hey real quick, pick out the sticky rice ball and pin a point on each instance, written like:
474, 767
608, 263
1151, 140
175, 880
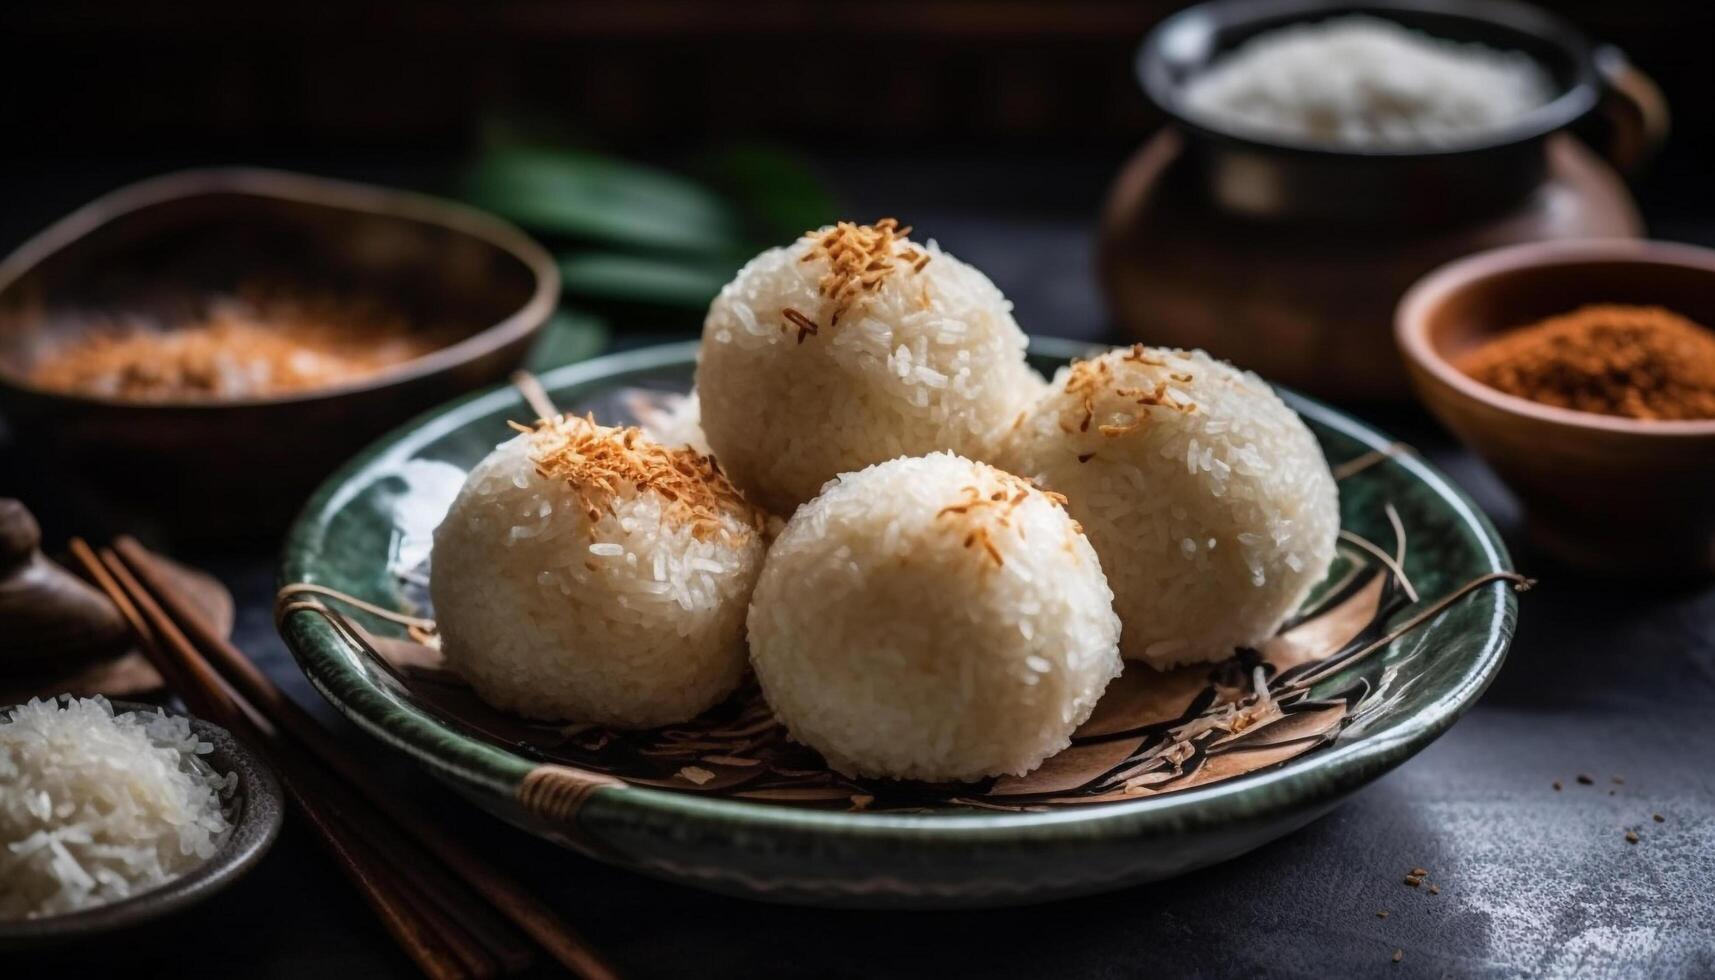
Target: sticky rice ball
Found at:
933, 618
677, 422
588, 573
1207, 498
851, 346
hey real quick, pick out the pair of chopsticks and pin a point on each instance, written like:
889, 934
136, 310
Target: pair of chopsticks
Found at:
453, 914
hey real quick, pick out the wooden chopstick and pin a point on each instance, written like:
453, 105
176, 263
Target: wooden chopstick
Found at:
502, 944
414, 932
532, 917
207, 696
459, 921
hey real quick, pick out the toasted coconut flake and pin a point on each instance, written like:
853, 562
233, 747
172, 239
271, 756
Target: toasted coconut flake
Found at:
597, 461
1089, 378
806, 326
984, 510
860, 258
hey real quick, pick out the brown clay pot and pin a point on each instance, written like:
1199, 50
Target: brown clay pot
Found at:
1288, 259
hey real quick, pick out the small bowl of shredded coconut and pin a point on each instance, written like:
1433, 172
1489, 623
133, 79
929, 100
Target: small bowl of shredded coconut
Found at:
113, 813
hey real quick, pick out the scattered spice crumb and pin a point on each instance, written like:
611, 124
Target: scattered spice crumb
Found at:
1557, 785
1585, 780
861, 801
1382, 914
1631, 837
1611, 792
1658, 818
1419, 872
1619, 781
696, 774
1413, 880
1434, 889
1398, 954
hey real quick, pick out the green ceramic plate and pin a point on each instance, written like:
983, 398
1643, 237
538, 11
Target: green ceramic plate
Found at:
366, 533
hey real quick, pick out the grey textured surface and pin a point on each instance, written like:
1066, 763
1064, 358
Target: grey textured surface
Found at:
1607, 678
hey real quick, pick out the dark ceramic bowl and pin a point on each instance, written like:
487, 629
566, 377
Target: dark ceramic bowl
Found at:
367, 531
167, 244
1604, 493
257, 808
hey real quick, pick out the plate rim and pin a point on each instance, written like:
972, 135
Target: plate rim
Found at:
1302, 782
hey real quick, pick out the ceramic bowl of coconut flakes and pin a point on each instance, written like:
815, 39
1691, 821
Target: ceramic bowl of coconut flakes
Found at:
114, 825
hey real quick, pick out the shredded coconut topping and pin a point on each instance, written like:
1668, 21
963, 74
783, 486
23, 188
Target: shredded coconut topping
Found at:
982, 511
1088, 378
599, 461
860, 258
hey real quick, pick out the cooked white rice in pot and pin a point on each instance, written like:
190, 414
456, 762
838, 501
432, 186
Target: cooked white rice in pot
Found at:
933, 618
1207, 498
1360, 81
851, 346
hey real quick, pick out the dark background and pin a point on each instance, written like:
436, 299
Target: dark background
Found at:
895, 75
994, 126
96, 93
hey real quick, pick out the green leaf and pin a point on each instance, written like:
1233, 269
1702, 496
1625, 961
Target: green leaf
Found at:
680, 281
573, 193
531, 129
777, 190
569, 336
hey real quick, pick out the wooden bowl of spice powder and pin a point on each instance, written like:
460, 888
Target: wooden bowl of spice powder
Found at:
195, 351
1584, 374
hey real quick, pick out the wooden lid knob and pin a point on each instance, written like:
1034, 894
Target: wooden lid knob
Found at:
20, 535
46, 613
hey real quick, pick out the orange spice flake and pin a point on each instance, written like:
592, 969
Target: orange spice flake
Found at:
596, 461
860, 258
1640, 362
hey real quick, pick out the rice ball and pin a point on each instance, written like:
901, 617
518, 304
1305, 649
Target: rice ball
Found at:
678, 421
1207, 498
852, 346
933, 618
588, 573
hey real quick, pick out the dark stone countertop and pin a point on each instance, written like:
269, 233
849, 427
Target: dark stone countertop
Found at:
1615, 679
